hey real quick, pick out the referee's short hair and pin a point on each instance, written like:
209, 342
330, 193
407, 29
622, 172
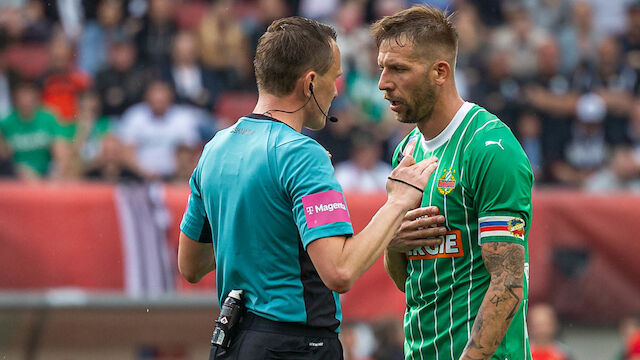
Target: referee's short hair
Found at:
290, 47
430, 30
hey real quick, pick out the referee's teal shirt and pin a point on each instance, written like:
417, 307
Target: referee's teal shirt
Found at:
262, 192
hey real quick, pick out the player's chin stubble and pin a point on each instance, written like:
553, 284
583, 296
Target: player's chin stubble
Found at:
420, 107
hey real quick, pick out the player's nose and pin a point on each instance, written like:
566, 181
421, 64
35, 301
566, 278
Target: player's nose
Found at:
385, 83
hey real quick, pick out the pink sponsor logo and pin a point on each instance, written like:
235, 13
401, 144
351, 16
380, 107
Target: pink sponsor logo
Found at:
325, 208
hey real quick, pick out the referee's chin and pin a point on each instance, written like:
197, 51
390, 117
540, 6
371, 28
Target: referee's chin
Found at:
316, 123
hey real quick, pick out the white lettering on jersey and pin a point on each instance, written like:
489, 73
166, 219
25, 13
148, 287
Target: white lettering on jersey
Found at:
450, 247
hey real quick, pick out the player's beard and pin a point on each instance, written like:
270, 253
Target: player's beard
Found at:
421, 104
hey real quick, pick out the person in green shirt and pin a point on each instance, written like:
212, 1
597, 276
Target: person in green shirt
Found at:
32, 134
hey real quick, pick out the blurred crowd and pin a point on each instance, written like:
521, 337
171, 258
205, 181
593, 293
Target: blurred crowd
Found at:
130, 90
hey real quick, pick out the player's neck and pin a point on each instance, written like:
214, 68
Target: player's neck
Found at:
444, 110
267, 103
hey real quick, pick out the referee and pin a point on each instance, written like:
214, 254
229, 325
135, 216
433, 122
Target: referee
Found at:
266, 210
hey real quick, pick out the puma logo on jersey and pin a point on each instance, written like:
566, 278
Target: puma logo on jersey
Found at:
450, 247
491, 142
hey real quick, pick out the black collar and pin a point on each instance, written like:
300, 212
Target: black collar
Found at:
265, 117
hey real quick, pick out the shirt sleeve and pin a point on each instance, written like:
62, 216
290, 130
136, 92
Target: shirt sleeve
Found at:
318, 205
195, 223
501, 181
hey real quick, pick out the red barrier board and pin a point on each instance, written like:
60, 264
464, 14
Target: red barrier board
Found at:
583, 248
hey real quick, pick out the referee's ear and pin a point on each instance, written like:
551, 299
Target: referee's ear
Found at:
308, 79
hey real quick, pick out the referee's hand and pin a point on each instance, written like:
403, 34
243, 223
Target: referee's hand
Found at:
407, 181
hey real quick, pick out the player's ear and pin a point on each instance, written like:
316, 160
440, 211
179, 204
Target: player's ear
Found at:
442, 71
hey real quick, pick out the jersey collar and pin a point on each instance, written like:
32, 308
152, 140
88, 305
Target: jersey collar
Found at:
447, 133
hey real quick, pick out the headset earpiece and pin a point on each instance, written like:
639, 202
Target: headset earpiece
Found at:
311, 87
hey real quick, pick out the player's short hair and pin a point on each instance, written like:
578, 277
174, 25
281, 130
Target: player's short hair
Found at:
290, 47
425, 26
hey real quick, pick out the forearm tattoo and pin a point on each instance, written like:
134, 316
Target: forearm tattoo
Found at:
505, 263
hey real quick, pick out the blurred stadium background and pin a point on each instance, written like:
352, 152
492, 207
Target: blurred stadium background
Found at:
122, 95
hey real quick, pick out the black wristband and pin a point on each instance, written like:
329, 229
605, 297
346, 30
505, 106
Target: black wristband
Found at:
406, 183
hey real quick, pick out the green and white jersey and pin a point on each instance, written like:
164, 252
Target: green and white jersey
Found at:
482, 186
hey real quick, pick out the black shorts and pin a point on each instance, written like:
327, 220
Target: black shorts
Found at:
260, 339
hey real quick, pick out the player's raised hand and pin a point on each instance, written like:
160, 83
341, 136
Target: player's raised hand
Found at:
420, 227
407, 181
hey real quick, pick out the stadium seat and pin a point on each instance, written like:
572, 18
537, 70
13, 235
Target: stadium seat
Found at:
28, 60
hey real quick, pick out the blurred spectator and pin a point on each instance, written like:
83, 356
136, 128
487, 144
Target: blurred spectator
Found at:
551, 15
579, 41
87, 133
266, 12
610, 15
350, 341
387, 7
364, 171
63, 82
633, 347
37, 27
223, 46
111, 164
389, 335
362, 87
629, 328
318, 10
11, 24
7, 78
586, 150
622, 173
158, 28
26, 24
519, 39
336, 137
122, 83
497, 90
353, 36
615, 82
543, 334
153, 130
529, 133
32, 134
633, 131
471, 46
97, 35
192, 83
630, 38
551, 96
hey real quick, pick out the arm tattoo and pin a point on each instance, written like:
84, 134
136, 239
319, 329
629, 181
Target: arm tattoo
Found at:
505, 262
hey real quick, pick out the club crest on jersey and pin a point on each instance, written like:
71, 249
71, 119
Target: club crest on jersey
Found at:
516, 227
447, 182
